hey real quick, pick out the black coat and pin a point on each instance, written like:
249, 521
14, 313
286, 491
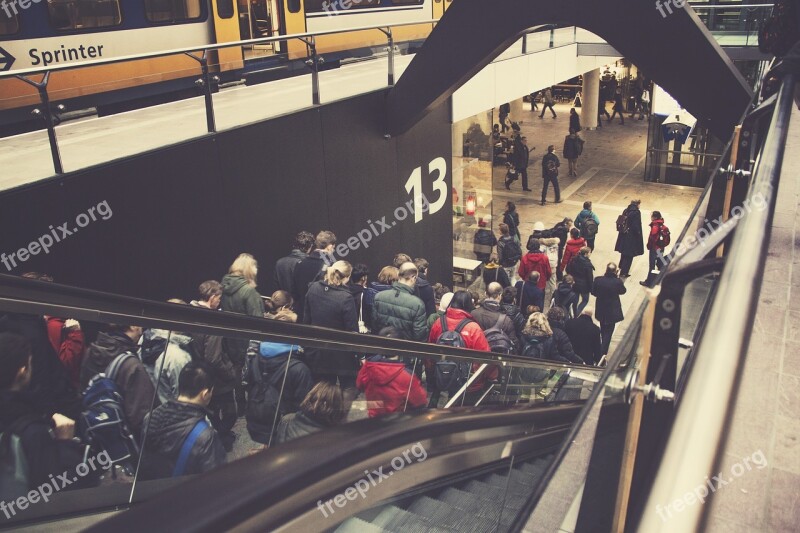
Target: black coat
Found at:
522, 155
306, 272
424, 291
585, 337
513, 312
575, 122
582, 270
608, 289
632, 242
329, 306
512, 220
563, 343
560, 231
495, 274
284, 270
170, 425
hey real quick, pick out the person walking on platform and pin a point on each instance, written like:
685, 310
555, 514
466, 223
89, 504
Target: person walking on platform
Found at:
619, 107
574, 120
511, 218
573, 147
550, 164
629, 241
656, 243
589, 224
534, 107
504, 110
548, 103
522, 156
582, 271
608, 288
484, 241
509, 252
602, 98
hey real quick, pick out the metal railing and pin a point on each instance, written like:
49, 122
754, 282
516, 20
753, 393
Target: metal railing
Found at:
707, 400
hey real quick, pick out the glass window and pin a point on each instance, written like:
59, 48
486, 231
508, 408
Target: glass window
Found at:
172, 10
9, 23
294, 6
333, 6
225, 8
83, 14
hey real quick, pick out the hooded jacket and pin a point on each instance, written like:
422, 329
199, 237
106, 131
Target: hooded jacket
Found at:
494, 272
486, 316
284, 270
170, 363
133, 381
212, 350
583, 215
565, 297
68, 345
400, 309
652, 239
582, 270
170, 425
386, 384
238, 296
535, 261
474, 339
632, 242
571, 249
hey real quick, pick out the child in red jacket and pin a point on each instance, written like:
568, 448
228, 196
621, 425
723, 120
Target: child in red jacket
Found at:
389, 386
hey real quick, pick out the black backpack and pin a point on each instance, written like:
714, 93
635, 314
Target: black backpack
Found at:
551, 169
499, 341
102, 424
622, 222
510, 252
536, 349
589, 227
450, 375
263, 397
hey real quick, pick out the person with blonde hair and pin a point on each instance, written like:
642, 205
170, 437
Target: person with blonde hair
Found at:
239, 295
537, 338
329, 304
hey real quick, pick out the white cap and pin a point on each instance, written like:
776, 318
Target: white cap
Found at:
444, 303
539, 226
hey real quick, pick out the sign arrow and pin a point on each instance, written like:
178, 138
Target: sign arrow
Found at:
6, 60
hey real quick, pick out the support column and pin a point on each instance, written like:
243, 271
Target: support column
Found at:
518, 113
591, 94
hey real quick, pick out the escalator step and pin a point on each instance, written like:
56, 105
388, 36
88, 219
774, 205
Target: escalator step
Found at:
450, 518
356, 525
476, 504
395, 519
496, 480
483, 490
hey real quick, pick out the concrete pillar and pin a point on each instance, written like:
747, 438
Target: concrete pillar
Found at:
517, 112
591, 93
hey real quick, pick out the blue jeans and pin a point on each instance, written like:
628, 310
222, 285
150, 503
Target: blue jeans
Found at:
583, 303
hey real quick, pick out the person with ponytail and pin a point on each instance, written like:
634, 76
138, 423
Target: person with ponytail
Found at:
329, 304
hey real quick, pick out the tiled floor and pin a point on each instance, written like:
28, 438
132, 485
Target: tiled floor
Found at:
610, 174
766, 420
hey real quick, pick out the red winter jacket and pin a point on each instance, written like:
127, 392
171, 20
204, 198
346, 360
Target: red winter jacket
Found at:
386, 384
538, 262
474, 339
652, 239
69, 347
571, 250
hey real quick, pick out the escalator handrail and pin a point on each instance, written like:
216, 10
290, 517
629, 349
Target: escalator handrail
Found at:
28, 296
266, 481
709, 396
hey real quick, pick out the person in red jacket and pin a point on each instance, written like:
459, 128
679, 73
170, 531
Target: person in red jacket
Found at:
657, 241
460, 308
535, 260
388, 385
573, 246
65, 336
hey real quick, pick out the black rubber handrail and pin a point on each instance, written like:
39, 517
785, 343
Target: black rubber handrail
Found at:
267, 481
23, 295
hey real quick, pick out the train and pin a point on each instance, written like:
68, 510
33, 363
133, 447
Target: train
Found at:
40, 34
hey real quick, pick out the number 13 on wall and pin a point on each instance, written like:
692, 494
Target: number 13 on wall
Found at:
436, 169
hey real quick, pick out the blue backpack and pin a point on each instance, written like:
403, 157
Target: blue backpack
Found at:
102, 423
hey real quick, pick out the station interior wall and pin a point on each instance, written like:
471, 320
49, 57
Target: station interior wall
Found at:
181, 214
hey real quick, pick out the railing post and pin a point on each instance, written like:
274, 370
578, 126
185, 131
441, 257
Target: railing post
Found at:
388, 33
313, 63
47, 115
205, 82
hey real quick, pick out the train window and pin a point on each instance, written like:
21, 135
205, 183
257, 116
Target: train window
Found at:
333, 6
225, 9
9, 25
293, 5
83, 14
172, 10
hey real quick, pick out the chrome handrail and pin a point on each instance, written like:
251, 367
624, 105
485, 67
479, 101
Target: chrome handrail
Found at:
697, 438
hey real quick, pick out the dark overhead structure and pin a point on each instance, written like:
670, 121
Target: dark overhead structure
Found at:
676, 50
